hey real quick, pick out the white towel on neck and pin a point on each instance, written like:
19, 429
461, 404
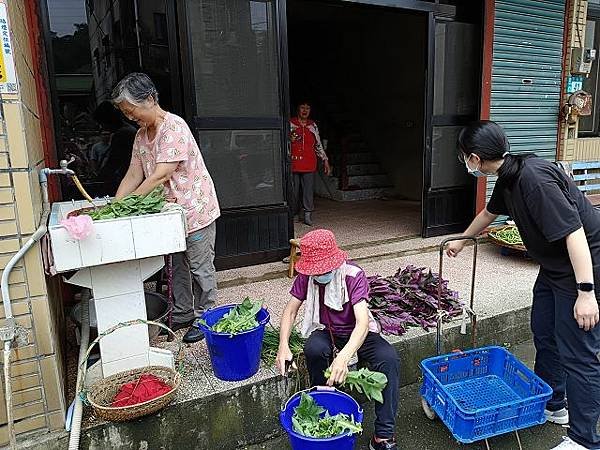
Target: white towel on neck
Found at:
336, 296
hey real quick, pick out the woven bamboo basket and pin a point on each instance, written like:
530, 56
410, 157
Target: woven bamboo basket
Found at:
102, 393
491, 237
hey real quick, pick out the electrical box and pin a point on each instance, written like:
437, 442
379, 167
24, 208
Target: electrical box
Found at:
581, 60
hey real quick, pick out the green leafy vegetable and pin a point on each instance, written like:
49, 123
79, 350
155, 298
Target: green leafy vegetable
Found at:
312, 420
131, 205
508, 235
366, 382
239, 319
271, 344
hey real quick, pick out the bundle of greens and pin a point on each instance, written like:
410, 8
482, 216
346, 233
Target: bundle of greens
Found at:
411, 298
508, 235
239, 319
131, 205
271, 344
365, 382
312, 420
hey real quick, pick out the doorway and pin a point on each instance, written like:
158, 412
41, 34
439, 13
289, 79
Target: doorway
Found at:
387, 121
363, 69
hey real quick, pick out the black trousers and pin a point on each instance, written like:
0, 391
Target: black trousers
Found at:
379, 355
567, 359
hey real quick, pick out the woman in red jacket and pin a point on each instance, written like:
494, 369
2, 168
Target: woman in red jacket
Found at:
306, 147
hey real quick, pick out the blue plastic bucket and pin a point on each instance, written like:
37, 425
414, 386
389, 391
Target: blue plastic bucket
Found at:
234, 357
333, 401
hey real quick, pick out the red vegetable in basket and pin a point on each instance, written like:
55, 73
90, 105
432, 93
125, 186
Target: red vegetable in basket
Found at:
410, 298
145, 388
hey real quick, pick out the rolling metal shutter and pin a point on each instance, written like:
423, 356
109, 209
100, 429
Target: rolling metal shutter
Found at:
526, 74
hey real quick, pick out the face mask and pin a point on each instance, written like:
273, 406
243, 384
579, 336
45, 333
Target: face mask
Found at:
325, 278
474, 172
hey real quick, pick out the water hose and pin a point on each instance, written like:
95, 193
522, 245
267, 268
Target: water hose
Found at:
83, 346
80, 188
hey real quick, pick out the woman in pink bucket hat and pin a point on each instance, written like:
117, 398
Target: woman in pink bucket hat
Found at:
337, 324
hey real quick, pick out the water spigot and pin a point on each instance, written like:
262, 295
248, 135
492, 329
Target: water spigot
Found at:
64, 166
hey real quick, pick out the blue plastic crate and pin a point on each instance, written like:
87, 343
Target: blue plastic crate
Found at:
483, 392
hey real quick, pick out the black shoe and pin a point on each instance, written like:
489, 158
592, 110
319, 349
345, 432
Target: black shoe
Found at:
383, 445
193, 335
177, 326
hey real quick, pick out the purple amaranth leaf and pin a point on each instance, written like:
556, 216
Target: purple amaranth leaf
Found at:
410, 298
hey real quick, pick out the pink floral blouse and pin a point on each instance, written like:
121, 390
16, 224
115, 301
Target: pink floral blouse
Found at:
190, 185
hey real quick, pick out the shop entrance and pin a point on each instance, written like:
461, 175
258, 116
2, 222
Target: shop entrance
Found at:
368, 101
387, 120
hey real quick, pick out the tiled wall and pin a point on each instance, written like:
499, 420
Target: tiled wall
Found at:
37, 369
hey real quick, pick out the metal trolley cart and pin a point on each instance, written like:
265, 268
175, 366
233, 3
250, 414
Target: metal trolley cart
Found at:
483, 392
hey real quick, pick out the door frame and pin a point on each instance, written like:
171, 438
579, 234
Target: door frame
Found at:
430, 122
433, 10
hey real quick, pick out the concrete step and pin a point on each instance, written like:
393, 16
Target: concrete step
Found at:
361, 158
369, 181
327, 187
358, 147
364, 169
363, 194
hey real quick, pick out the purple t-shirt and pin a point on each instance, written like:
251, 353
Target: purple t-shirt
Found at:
342, 322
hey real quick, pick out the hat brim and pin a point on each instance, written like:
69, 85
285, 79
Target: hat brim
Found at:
305, 266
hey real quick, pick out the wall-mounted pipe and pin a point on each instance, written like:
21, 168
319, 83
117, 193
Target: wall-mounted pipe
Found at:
8, 332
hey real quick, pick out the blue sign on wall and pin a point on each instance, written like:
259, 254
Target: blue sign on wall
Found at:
574, 83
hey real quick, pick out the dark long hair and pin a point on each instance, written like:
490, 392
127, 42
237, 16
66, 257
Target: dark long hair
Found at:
488, 140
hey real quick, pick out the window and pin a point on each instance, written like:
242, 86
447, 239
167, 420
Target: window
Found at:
245, 166
234, 46
236, 84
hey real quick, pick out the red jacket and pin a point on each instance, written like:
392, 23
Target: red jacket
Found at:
306, 146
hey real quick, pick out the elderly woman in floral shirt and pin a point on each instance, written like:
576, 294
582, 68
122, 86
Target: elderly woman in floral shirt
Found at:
166, 153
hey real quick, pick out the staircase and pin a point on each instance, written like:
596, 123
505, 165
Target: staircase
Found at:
357, 173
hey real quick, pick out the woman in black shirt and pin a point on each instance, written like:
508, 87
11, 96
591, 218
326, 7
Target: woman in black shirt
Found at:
561, 231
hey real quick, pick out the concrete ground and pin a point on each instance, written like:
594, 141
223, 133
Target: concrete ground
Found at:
416, 432
375, 219
502, 282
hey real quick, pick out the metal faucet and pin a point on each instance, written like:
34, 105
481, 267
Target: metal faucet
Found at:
43, 175
64, 170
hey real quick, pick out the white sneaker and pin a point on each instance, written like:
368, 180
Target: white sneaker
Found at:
560, 417
568, 444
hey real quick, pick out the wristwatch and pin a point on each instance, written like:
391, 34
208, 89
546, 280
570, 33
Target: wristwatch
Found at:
585, 287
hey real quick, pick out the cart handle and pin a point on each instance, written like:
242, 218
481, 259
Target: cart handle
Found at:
472, 294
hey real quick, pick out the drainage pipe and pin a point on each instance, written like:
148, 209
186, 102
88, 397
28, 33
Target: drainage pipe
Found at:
8, 332
84, 342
